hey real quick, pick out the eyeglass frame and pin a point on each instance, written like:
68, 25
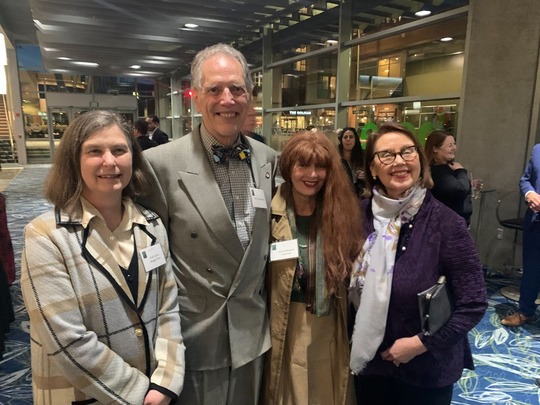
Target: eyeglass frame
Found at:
395, 154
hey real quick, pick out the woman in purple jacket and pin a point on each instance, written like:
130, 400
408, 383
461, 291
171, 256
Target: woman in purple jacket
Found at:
411, 239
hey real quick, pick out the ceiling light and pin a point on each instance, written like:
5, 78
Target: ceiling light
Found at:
190, 25
156, 62
135, 66
331, 42
64, 58
422, 13
447, 39
89, 64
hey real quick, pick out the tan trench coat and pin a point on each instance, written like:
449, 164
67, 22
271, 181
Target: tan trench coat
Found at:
279, 284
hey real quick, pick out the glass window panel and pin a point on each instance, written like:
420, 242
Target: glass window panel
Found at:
286, 123
410, 64
419, 117
310, 81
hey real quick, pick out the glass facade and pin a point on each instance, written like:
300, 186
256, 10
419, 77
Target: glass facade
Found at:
355, 70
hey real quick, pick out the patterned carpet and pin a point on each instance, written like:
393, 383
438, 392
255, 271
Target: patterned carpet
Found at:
24, 201
507, 359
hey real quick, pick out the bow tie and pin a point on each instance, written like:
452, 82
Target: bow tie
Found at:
223, 154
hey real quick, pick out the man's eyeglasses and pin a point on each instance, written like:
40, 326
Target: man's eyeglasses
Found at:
387, 157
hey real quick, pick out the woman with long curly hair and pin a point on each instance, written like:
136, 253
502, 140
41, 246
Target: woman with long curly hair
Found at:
317, 210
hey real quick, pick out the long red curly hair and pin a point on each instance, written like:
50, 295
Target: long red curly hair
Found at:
340, 218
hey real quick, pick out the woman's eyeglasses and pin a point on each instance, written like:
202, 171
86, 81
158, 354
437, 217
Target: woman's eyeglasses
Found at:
387, 157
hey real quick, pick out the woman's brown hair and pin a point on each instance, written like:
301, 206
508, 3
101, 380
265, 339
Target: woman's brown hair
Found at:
435, 140
64, 183
339, 209
425, 172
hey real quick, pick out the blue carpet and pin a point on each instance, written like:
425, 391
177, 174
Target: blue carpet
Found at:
24, 201
507, 359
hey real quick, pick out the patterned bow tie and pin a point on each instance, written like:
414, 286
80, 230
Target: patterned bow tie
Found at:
222, 154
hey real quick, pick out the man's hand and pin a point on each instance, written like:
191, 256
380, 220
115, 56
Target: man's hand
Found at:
156, 398
533, 200
404, 350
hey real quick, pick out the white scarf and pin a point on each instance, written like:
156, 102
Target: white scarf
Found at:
371, 280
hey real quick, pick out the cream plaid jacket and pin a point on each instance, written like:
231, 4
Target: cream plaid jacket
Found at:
90, 342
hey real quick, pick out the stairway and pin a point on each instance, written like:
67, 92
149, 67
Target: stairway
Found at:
7, 146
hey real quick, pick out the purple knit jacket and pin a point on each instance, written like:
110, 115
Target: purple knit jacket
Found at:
437, 243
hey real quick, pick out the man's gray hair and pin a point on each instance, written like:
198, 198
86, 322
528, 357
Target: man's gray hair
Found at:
217, 49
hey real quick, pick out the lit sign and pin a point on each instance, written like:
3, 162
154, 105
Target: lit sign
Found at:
300, 112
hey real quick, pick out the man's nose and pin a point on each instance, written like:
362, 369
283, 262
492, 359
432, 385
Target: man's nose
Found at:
227, 96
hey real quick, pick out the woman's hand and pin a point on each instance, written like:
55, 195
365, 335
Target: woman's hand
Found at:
456, 165
404, 350
155, 397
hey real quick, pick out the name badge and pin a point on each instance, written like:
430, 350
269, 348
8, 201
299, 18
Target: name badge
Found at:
152, 257
287, 249
257, 198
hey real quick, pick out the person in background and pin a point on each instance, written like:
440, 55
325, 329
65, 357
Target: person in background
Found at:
250, 124
214, 186
530, 280
411, 240
97, 279
352, 157
7, 258
309, 359
140, 130
7, 275
154, 132
452, 185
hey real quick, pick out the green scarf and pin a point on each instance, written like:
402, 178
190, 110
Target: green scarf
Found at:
317, 299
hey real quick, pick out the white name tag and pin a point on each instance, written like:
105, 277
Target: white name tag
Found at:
287, 249
257, 198
152, 257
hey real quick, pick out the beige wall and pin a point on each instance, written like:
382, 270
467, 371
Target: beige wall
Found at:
434, 76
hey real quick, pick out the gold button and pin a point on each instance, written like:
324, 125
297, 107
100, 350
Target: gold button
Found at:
138, 332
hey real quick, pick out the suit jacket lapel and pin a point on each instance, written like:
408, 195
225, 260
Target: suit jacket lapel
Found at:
143, 239
201, 185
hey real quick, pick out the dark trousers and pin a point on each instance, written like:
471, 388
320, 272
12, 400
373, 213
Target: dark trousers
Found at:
530, 281
375, 390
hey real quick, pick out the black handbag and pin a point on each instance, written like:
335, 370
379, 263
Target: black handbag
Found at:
435, 305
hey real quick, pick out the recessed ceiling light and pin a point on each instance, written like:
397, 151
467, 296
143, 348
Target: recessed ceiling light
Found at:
422, 13
447, 39
64, 58
191, 25
135, 66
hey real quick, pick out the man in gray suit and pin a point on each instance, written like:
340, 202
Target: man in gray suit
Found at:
213, 188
